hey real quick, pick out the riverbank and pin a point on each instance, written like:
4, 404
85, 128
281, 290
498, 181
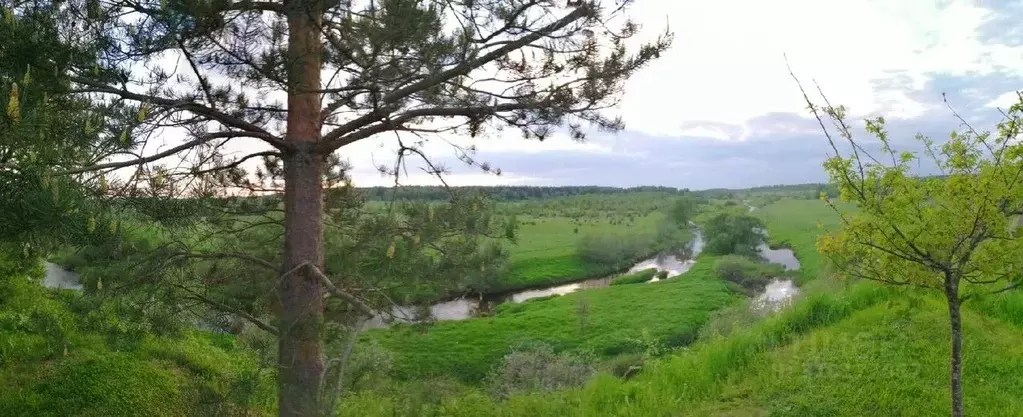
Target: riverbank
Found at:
606, 321
465, 307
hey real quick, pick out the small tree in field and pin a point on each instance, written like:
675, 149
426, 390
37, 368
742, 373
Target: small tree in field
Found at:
956, 232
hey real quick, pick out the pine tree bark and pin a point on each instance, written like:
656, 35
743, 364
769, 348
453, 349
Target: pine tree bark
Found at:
956, 360
301, 357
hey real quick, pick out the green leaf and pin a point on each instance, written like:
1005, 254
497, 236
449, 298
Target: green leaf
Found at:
143, 112
14, 104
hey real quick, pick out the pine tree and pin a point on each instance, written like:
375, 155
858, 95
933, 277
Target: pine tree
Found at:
293, 82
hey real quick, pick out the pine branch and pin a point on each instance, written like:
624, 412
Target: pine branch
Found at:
396, 122
230, 255
231, 310
334, 139
338, 292
237, 162
158, 156
225, 119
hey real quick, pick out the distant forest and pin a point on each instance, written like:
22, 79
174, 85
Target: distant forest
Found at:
517, 192
503, 193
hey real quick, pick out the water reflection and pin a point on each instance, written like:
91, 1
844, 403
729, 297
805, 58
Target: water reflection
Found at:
58, 277
777, 294
463, 308
782, 256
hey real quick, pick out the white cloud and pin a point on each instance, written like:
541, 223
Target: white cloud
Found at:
1005, 100
725, 80
727, 62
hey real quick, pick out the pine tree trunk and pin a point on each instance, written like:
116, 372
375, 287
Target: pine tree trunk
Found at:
301, 357
956, 360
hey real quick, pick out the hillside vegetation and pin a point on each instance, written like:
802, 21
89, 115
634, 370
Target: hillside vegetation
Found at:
687, 345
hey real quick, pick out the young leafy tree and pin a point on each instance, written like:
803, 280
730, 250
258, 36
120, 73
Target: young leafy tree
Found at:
293, 82
730, 233
956, 233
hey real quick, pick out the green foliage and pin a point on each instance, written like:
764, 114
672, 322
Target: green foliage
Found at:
422, 250
635, 278
112, 384
368, 367
673, 310
548, 246
930, 231
507, 192
882, 360
537, 368
58, 359
796, 224
614, 250
671, 385
926, 230
749, 273
728, 233
684, 209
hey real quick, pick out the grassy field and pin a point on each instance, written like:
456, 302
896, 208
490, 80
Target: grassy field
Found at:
891, 359
615, 321
547, 249
843, 349
797, 224
864, 350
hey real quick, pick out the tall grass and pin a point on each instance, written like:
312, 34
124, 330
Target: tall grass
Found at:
606, 321
664, 387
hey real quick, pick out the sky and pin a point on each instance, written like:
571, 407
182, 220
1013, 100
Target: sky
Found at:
720, 108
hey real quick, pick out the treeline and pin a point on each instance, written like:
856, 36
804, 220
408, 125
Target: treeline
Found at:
808, 190
503, 193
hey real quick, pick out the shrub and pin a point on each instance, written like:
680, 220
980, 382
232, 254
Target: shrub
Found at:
370, 363
748, 273
107, 385
728, 320
538, 369
662, 275
626, 366
635, 278
612, 250
729, 233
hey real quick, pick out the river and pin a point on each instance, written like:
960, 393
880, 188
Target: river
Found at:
776, 294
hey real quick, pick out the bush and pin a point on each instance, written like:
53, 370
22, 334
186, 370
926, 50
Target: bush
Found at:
737, 234
626, 366
635, 278
727, 321
370, 363
612, 250
106, 385
538, 369
750, 274
662, 275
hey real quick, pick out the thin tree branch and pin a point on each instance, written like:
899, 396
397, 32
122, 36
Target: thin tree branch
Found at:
229, 255
337, 292
228, 309
169, 152
228, 120
396, 122
333, 139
